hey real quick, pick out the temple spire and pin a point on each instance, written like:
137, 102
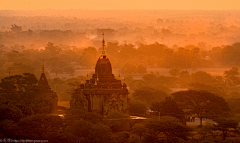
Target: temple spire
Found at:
43, 67
103, 45
43, 80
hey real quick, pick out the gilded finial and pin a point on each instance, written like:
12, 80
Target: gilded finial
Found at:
103, 45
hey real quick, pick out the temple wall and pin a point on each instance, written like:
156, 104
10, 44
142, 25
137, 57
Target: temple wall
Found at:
125, 102
96, 103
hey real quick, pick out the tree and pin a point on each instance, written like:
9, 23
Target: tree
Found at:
23, 89
112, 48
167, 107
129, 68
217, 89
56, 70
58, 81
19, 68
166, 81
206, 130
184, 74
231, 75
18, 87
174, 72
30, 32
135, 139
187, 51
10, 112
9, 128
195, 51
202, 103
184, 78
148, 94
150, 79
117, 121
39, 126
77, 114
216, 54
229, 55
52, 50
166, 32
139, 129
62, 137
99, 133
25, 108
80, 129
88, 57
86, 131
45, 103
122, 137
169, 52
225, 126
234, 102
137, 107
15, 109
16, 28
167, 128
58, 62
202, 77
236, 45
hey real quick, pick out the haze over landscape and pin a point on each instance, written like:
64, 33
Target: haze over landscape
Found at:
122, 71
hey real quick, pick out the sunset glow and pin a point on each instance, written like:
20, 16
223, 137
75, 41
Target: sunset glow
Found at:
118, 4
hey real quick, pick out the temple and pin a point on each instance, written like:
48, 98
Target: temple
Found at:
103, 93
46, 92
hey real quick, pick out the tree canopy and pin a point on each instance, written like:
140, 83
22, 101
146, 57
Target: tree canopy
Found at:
149, 95
167, 107
231, 76
167, 128
202, 103
24, 90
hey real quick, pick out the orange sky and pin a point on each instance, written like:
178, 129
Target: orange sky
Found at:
118, 4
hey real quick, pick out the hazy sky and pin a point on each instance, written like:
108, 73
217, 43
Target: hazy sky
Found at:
118, 4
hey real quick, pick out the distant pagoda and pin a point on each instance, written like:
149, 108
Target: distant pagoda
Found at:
45, 90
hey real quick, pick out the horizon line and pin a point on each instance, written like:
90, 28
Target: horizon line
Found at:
117, 9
